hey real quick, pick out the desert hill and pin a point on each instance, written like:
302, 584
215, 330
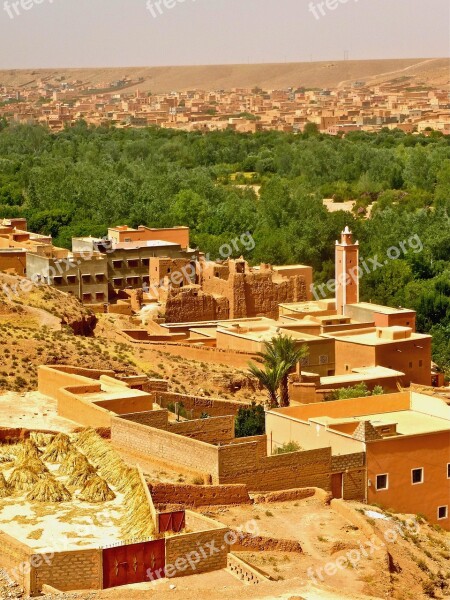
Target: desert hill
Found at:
433, 72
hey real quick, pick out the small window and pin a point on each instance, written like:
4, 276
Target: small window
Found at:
448, 470
420, 363
442, 512
57, 280
117, 264
417, 476
87, 297
71, 279
100, 296
382, 482
410, 365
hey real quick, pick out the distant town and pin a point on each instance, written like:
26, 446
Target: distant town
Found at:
359, 106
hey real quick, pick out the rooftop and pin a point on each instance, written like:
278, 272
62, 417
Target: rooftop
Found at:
384, 310
378, 336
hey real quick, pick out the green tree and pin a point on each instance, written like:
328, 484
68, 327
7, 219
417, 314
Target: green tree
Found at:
250, 421
269, 378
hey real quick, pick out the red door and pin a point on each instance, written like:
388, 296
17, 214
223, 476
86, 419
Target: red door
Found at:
135, 563
173, 521
336, 485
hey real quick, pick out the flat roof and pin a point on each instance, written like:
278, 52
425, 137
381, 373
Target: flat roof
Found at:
143, 244
268, 333
362, 374
310, 306
409, 422
370, 338
385, 310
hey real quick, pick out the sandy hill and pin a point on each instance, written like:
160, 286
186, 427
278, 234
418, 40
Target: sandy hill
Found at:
434, 72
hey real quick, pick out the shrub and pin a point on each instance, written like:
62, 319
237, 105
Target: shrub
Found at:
288, 447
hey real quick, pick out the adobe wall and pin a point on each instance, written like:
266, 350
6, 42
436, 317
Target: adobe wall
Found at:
151, 418
214, 407
192, 304
215, 430
74, 408
132, 404
51, 379
241, 464
199, 495
13, 262
207, 535
74, 570
13, 558
166, 446
414, 363
354, 478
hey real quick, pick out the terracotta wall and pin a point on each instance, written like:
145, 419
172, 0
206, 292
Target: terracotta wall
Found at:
13, 262
83, 412
397, 457
51, 379
126, 405
14, 557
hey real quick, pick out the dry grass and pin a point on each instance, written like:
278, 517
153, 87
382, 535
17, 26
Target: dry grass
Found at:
23, 479
34, 464
5, 489
28, 450
58, 449
74, 463
96, 490
48, 489
42, 439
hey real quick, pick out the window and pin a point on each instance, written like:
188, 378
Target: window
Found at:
133, 263
117, 264
86, 297
71, 279
410, 365
323, 359
448, 470
442, 513
382, 482
86, 278
100, 277
117, 282
57, 280
417, 476
100, 296
420, 363
146, 262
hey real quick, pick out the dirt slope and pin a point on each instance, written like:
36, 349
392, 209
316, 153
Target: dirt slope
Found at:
267, 76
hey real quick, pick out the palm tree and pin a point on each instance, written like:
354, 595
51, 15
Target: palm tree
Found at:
270, 378
282, 350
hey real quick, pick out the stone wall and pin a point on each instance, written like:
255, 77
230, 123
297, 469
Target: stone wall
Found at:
13, 558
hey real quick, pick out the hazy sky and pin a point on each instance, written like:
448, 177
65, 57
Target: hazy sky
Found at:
72, 33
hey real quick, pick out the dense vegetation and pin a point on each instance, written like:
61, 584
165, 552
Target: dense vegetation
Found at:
83, 180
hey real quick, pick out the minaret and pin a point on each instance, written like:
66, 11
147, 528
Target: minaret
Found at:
347, 271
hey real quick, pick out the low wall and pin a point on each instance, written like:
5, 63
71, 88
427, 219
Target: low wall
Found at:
74, 408
13, 558
214, 407
74, 570
240, 463
244, 571
52, 378
164, 445
216, 430
127, 405
199, 495
207, 535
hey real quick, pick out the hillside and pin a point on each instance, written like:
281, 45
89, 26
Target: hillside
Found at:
434, 72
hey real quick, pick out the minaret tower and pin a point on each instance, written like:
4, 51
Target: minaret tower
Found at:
347, 271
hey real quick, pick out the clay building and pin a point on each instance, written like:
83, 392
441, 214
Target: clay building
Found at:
255, 291
404, 438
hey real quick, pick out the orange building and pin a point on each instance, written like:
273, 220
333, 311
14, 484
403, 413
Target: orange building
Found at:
405, 438
175, 235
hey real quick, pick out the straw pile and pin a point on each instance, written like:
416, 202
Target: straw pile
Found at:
82, 476
42, 439
33, 463
48, 489
110, 466
74, 462
5, 489
58, 449
138, 523
96, 490
23, 479
28, 450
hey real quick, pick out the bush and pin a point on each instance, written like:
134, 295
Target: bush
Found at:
250, 421
288, 447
